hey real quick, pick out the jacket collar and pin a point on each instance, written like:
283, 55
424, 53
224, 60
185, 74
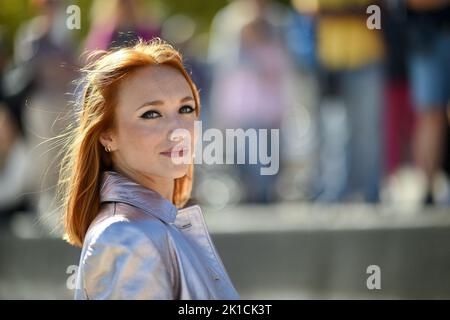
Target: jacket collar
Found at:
117, 188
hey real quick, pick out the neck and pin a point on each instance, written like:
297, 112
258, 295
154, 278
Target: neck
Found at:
163, 186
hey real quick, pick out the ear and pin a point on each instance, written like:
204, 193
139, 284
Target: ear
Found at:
108, 139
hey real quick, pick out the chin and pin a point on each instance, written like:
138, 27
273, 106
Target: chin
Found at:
177, 171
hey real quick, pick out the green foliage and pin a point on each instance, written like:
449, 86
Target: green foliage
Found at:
15, 12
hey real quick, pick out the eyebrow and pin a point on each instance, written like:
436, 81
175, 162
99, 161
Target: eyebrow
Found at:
160, 102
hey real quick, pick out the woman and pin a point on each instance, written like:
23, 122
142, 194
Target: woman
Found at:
122, 186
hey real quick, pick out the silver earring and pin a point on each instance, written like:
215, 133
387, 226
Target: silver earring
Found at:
107, 149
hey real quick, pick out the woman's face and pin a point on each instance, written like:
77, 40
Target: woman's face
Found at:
155, 113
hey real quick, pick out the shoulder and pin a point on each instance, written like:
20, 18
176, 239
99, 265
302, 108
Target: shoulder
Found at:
126, 230
122, 243
124, 257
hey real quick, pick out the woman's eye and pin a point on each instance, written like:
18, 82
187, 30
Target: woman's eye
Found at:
151, 114
186, 109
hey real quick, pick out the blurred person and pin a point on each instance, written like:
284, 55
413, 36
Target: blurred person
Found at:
302, 151
118, 23
257, 99
350, 56
224, 56
249, 89
122, 191
399, 113
429, 70
15, 84
43, 52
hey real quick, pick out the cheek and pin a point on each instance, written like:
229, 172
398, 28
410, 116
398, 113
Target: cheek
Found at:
139, 140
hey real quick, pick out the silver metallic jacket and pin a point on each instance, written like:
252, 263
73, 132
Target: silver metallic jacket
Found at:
140, 246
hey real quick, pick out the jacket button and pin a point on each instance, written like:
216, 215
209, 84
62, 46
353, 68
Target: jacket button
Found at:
215, 276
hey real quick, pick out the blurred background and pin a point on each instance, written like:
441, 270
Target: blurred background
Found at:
361, 99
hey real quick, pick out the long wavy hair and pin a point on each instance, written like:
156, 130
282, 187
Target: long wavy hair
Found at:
84, 157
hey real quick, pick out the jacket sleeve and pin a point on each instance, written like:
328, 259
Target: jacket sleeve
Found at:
122, 262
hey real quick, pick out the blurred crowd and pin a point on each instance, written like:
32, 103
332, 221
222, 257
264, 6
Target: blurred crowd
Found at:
362, 112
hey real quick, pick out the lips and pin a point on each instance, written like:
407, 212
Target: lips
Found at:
175, 152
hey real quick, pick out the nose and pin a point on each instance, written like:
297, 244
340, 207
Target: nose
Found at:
178, 134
